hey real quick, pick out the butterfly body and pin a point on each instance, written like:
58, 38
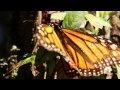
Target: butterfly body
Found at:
86, 54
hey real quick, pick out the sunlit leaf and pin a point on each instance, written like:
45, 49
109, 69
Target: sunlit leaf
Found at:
27, 55
109, 12
118, 71
58, 15
30, 59
97, 22
74, 20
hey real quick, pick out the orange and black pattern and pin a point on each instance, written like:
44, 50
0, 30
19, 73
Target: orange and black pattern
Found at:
86, 54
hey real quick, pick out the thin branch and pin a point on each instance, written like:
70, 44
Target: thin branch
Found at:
39, 17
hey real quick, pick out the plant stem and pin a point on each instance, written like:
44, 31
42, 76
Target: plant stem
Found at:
39, 17
45, 73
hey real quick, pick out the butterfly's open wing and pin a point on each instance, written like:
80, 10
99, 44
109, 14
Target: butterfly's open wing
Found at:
90, 54
86, 54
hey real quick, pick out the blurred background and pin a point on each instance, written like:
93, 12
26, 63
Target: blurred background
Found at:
5, 27
16, 28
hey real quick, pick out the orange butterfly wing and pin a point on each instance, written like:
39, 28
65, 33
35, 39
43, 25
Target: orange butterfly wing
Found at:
86, 54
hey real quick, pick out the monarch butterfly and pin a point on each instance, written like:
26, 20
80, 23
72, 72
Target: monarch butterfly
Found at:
85, 53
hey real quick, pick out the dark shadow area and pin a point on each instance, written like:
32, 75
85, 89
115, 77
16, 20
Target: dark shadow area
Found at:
16, 29
23, 23
5, 28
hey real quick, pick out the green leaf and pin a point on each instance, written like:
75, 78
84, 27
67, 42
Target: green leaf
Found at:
30, 59
40, 54
51, 67
43, 56
118, 71
48, 60
74, 20
27, 55
58, 15
108, 12
101, 77
97, 22
104, 22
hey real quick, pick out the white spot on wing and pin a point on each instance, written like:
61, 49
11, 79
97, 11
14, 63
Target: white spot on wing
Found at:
41, 41
85, 70
102, 40
106, 60
113, 46
45, 44
109, 41
111, 62
113, 58
89, 73
94, 74
53, 46
85, 74
107, 64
